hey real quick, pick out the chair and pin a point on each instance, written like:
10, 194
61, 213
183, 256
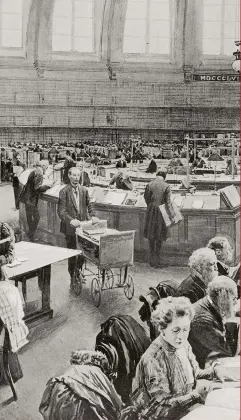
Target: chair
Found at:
4, 360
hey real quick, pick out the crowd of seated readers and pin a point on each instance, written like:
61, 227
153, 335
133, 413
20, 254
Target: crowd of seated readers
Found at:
130, 376
168, 380
205, 264
158, 380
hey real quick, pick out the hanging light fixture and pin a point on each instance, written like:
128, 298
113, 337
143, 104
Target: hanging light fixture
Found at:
236, 63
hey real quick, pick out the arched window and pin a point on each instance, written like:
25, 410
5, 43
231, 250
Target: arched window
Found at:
11, 23
221, 26
148, 27
73, 26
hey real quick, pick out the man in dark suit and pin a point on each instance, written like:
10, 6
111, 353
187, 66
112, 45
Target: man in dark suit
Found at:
68, 163
203, 269
30, 196
212, 334
157, 192
74, 206
121, 163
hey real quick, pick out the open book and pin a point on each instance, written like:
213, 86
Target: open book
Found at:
212, 413
230, 196
224, 398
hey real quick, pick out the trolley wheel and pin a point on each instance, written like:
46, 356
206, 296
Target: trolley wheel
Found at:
129, 287
96, 292
109, 279
77, 282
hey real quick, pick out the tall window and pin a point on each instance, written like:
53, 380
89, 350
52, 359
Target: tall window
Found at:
147, 27
11, 21
73, 26
221, 26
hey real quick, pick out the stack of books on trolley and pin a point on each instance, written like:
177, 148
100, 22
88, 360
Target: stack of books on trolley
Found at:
93, 229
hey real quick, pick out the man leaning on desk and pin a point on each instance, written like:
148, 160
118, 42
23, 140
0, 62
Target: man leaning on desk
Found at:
74, 206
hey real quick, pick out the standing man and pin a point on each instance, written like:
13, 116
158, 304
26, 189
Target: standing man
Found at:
74, 206
17, 170
68, 163
157, 192
30, 195
79, 153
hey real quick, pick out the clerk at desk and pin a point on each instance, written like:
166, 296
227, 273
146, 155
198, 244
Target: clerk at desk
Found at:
121, 181
30, 195
74, 206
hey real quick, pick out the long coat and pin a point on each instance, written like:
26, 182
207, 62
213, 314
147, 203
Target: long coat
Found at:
34, 186
67, 208
81, 392
157, 192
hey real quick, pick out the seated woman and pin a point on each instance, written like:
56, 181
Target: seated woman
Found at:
165, 385
212, 334
152, 168
83, 391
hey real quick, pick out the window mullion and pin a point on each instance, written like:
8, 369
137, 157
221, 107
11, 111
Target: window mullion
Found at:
93, 27
148, 24
1, 23
222, 26
73, 26
23, 10
171, 18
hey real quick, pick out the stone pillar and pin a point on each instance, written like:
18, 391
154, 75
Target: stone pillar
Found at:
192, 36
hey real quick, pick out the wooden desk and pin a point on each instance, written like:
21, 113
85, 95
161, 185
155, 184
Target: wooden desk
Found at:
36, 262
224, 403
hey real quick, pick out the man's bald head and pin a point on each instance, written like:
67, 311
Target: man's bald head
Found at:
74, 176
